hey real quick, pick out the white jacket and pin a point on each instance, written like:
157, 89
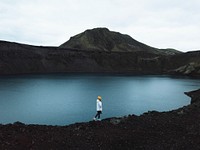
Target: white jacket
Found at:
99, 105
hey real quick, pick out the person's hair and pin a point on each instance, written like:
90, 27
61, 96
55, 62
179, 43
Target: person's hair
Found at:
99, 97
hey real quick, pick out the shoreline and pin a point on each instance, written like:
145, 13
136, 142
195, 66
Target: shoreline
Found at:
99, 74
176, 129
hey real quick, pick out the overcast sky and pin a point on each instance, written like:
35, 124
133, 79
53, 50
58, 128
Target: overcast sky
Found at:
158, 23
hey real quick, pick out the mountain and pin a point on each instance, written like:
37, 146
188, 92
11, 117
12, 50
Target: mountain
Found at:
102, 39
16, 58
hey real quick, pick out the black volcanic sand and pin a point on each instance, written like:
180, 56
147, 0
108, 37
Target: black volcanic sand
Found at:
177, 129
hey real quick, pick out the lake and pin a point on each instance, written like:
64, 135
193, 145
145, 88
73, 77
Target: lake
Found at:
61, 99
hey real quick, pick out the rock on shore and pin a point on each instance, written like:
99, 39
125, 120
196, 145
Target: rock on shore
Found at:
177, 129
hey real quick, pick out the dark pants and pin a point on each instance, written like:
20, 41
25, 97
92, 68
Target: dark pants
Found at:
98, 114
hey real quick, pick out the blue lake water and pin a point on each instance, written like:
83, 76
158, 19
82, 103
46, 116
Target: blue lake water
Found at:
62, 99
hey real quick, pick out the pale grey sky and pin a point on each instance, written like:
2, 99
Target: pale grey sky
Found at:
158, 23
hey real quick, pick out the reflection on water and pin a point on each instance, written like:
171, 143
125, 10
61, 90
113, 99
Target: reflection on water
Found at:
63, 99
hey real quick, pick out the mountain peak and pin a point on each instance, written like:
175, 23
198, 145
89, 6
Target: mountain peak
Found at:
99, 29
102, 39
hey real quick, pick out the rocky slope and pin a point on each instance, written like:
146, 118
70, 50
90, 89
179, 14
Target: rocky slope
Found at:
185, 64
177, 129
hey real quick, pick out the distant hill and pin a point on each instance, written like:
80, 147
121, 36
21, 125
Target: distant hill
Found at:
102, 39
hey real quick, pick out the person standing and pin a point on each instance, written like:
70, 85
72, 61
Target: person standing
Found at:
99, 109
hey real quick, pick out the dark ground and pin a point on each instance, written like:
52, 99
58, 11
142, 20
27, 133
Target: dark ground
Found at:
178, 129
